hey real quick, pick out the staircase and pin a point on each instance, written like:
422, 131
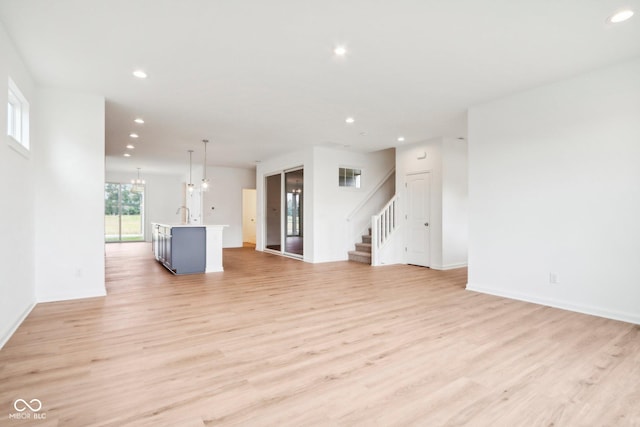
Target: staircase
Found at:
363, 250
384, 225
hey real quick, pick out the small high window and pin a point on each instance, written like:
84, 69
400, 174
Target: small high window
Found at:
348, 177
17, 118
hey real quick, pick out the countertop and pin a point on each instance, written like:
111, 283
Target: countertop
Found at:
189, 225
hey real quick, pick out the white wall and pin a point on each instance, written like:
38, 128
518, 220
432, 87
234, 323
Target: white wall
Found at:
304, 158
420, 157
222, 204
455, 196
554, 188
359, 220
333, 204
17, 177
326, 206
69, 220
446, 160
164, 194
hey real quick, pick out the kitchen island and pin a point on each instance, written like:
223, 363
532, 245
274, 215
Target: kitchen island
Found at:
188, 248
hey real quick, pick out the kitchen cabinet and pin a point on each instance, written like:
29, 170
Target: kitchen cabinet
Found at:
181, 249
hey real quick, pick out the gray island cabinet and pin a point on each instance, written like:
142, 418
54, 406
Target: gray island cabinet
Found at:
188, 249
181, 249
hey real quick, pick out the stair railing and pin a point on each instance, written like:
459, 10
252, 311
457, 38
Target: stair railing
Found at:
382, 226
358, 219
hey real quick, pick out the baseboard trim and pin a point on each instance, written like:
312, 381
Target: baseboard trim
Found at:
448, 266
5, 339
564, 305
68, 297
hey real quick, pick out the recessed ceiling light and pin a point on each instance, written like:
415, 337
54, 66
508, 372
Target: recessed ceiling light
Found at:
133, 135
140, 74
401, 139
349, 120
139, 121
127, 155
130, 147
621, 16
340, 50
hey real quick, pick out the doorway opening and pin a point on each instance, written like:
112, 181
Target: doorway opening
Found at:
249, 217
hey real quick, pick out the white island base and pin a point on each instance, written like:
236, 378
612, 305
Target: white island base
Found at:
214, 248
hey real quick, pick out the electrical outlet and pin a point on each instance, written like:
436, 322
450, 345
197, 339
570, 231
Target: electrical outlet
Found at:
554, 278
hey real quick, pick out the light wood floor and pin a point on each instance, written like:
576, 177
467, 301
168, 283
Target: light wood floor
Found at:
274, 341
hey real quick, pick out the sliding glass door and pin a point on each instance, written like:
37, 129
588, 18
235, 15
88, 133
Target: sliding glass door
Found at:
284, 212
123, 213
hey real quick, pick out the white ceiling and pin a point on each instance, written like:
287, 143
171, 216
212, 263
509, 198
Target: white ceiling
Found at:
259, 78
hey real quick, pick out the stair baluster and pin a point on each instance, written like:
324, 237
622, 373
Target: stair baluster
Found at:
382, 227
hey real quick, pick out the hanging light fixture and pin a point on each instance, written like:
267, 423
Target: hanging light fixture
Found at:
137, 184
205, 180
190, 185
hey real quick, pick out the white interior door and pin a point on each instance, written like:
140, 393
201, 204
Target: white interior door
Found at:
249, 215
418, 187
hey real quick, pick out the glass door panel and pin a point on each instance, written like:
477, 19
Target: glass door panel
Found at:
294, 182
273, 211
123, 216
111, 212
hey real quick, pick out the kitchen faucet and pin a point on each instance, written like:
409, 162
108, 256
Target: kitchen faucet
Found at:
188, 213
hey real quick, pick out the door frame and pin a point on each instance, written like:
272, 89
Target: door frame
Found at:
283, 213
265, 212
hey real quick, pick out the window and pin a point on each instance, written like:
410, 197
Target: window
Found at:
123, 213
17, 118
348, 177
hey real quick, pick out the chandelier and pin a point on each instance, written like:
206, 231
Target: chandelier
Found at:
205, 180
190, 185
137, 184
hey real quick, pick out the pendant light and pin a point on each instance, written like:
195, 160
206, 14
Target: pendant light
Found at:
190, 185
138, 184
205, 180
